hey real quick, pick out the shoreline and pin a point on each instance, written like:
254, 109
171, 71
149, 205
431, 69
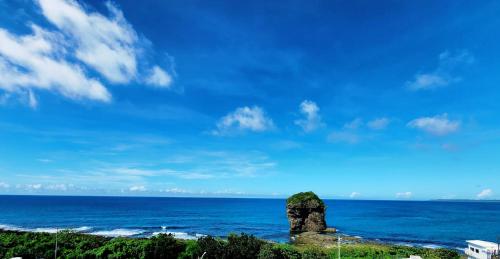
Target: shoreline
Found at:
138, 233
69, 244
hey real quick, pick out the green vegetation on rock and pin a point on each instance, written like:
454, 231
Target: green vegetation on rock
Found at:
303, 198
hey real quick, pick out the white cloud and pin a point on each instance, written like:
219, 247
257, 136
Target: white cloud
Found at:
175, 190
403, 195
32, 62
158, 77
107, 44
243, 119
438, 125
225, 164
32, 101
81, 40
36, 186
313, 119
354, 195
4, 185
443, 75
426, 81
485, 194
57, 187
137, 188
354, 124
140, 172
378, 123
343, 136
229, 192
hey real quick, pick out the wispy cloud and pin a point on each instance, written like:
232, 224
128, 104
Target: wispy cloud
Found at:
312, 120
444, 74
224, 164
404, 195
354, 124
354, 195
137, 188
4, 185
438, 125
180, 191
158, 77
57, 187
106, 44
348, 134
30, 187
32, 62
44, 160
486, 193
59, 59
244, 119
378, 123
32, 100
148, 172
286, 145
175, 190
343, 136
192, 165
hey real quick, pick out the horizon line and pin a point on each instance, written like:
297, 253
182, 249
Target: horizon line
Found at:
249, 197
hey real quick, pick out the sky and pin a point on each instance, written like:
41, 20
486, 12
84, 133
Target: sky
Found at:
349, 99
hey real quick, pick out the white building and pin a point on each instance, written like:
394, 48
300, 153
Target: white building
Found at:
478, 249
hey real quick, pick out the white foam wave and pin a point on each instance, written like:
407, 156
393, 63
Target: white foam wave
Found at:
45, 230
432, 246
120, 232
82, 229
180, 235
11, 227
42, 229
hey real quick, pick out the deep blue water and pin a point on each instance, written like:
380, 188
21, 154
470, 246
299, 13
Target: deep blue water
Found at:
426, 223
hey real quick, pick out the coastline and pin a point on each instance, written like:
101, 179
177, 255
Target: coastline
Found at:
143, 233
71, 244
418, 225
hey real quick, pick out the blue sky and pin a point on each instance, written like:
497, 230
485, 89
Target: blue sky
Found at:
350, 99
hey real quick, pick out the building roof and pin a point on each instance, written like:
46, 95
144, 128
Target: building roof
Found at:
484, 244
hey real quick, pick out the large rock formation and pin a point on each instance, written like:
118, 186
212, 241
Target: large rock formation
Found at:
306, 212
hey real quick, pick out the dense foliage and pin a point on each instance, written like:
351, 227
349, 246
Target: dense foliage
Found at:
302, 198
73, 245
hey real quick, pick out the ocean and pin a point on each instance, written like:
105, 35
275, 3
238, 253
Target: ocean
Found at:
416, 223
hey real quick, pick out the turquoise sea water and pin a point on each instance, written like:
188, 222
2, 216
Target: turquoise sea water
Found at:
423, 223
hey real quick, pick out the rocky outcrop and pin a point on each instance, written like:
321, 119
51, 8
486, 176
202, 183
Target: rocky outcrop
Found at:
326, 240
306, 212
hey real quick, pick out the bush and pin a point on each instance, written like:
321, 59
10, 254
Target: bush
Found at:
81, 246
213, 247
278, 251
314, 253
441, 253
164, 246
191, 250
243, 246
123, 248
